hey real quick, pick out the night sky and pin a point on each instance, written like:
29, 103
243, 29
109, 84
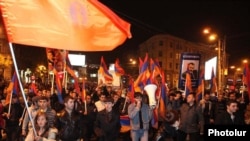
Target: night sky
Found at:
182, 19
187, 20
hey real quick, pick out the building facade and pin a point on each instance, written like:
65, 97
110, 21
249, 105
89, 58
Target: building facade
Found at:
168, 49
6, 63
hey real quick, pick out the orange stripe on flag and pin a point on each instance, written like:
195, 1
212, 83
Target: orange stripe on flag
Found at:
80, 25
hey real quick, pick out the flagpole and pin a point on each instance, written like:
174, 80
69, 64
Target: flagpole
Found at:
21, 87
158, 102
20, 122
185, 90
243, 86
85, 106
66, 78
10, 103
202, 81
52, 82
64, 69
123, 109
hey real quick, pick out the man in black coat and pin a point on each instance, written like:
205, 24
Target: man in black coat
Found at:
68, 122
107, 125
230, 116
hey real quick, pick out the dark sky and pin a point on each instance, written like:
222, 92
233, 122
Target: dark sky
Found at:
182, 19
186, 20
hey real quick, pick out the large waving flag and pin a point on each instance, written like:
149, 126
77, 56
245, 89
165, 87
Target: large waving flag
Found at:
80, 25
104, 71
13, 88
200, 89
213, 88
118, 69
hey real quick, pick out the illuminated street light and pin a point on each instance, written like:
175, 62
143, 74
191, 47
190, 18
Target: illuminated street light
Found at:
245, 61
220, 61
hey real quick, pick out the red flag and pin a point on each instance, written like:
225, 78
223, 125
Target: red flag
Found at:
104, 71
246, 78
155, 69
163, 95
13, 88
64, 24
131, 90
188, 84
58, 78
83, 90
118, 69
72, 73
213, 83
245, 74
200, 89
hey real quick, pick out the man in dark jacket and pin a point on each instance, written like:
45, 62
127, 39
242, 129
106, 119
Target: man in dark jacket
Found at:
107, 125
68, 122
230, 116
12, 118
191, 120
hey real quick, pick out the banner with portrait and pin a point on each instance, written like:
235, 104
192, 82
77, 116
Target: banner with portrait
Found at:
189, 63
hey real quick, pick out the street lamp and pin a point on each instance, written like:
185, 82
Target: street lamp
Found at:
221, 55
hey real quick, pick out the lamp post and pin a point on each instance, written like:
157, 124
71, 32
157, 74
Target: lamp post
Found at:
221, 54
219, 65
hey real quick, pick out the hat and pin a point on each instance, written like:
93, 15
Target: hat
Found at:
171, 116
109, 99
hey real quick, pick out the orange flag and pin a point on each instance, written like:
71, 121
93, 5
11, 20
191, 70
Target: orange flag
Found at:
78, 25
83, 90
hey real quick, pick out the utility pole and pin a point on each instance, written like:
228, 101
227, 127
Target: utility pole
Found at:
219, 66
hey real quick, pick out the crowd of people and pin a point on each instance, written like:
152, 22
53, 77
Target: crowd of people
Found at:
98, 117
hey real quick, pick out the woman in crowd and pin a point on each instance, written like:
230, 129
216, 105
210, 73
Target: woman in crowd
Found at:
42, 129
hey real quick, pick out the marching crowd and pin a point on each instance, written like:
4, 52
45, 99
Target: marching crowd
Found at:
99, 116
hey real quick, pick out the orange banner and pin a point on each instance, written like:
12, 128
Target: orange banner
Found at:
77, 25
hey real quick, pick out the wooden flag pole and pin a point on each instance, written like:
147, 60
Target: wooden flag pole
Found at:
21, 87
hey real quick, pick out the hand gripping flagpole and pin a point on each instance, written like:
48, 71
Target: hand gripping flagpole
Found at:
21, 87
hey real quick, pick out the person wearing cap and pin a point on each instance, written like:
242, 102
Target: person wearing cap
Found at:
107, 124
140, 115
